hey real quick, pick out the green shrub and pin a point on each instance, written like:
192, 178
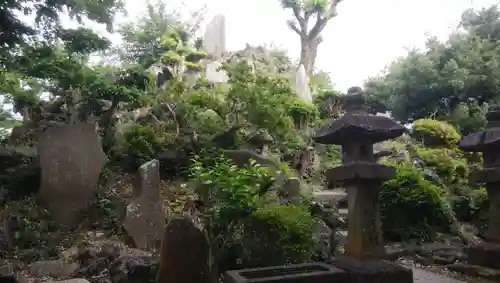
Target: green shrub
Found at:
449, 164
479, 207
434, 133
470, 203
143, 142
243, 230
411, 207
278, 235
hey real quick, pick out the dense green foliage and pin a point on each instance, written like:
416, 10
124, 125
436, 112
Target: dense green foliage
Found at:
435, 133
412, 207
448, 80
236, 217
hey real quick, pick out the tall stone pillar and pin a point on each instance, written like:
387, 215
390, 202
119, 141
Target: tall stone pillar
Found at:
488, 143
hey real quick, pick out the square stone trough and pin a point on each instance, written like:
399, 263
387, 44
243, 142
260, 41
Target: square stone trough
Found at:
339, 270
297, 273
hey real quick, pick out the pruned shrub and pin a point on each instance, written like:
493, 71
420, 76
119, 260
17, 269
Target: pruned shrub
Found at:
412, 207
434, 133
278, 235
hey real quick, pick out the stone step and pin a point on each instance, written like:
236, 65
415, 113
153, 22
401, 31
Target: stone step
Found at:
330, 196
343, 212
341, 237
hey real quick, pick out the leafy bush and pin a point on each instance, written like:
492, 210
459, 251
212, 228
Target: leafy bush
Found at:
143, 142
237, 219
302, 113
471, 204
411, 207
449, 164
277, 235
479, 207
434, 133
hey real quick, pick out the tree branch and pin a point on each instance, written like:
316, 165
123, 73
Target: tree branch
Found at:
300, 19
293, 27
322, 21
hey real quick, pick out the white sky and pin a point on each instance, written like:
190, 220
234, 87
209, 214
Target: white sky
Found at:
364, 37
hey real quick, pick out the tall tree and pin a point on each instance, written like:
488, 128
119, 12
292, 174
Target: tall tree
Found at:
47, 17
305, 12
451, 80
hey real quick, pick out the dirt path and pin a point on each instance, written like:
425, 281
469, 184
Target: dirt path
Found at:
424, 276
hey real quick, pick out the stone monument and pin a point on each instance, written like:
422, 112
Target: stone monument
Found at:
71, 158
214, 39
487, 142
215, 75
184, 255
302, 84
145, 217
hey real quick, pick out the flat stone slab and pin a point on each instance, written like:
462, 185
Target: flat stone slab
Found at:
424, 276
484, 254
334, 195
371, 271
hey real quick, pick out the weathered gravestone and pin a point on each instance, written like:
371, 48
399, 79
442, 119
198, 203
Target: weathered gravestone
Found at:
71, 158
184, 253
215, 75
214, 39
145, 217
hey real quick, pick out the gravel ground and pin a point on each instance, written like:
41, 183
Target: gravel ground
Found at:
437, 274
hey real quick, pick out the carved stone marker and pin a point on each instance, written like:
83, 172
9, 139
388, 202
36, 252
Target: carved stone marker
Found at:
215, 75
302, 84
488, 142
184, 253
292, 190
214, 39
71, 158
356, 132
145, 217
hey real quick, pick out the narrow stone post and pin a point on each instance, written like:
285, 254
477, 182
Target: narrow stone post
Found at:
488, 143
357, 132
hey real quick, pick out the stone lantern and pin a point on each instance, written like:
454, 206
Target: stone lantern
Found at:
488, 143
357, 132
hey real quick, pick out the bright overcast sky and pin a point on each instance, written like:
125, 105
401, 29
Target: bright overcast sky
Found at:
364, 37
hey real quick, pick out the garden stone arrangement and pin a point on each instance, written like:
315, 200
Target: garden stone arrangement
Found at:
186, 162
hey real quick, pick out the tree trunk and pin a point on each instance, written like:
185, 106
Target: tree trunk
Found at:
308, 52
305, 52
26, 114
